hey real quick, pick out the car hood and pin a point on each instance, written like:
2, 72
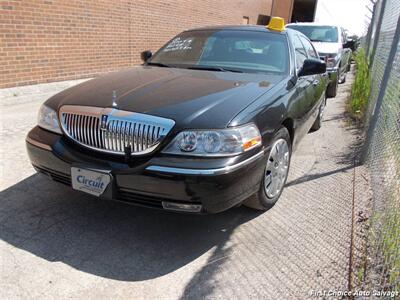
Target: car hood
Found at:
327, 47
192, 98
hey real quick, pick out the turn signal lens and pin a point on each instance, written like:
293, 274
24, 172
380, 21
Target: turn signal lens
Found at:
252, 143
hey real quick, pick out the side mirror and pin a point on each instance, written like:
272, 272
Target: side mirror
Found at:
349, 44
312, 66
145, 55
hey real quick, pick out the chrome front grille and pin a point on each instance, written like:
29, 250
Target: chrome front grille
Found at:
114, 131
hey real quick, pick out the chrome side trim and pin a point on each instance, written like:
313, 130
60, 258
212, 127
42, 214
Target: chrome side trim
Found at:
218, 171
37, 144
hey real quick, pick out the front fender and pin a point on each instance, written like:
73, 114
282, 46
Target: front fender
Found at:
269, 111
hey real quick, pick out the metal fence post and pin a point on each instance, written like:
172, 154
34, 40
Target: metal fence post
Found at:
369, 32
377, 32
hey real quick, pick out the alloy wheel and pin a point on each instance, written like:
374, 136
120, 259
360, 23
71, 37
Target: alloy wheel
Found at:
277, 168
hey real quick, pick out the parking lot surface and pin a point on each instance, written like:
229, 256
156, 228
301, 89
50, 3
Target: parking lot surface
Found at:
59, 243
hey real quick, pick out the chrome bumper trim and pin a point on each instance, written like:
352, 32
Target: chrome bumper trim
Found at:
218, 171
37, 144
175, 206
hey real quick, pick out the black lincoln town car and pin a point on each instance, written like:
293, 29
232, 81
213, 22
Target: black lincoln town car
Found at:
206, 123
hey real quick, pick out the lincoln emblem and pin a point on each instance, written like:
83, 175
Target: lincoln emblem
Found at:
103, 125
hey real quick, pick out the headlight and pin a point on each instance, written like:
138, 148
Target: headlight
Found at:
223, 142
48, 119
332, 59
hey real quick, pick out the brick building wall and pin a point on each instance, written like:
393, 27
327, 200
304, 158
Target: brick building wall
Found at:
283, 8
52, 40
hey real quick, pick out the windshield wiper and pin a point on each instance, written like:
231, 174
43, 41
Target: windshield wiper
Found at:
197, 67
214, 68
312, 40
158, 64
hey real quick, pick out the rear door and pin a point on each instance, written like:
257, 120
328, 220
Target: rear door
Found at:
304, 90
319, 81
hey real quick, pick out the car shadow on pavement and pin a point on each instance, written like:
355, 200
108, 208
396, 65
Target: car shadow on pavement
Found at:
106, 238
308, 177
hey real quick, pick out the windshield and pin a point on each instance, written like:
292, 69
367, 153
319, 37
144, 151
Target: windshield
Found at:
226, 50
326, 34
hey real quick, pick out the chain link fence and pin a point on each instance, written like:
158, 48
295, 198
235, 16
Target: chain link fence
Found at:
381, 268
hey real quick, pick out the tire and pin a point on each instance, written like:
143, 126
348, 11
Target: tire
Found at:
331, 91
276, 172
348, 67
342, 78
318, 122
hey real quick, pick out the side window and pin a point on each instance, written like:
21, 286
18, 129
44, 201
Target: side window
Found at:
309, 48
301, 54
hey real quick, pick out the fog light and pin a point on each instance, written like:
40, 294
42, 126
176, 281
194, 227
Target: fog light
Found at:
181, 206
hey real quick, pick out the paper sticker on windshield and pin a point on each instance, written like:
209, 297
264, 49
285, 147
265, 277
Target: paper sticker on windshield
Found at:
179, 44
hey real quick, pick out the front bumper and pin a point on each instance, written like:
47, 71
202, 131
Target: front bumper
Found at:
333, 74
214, 184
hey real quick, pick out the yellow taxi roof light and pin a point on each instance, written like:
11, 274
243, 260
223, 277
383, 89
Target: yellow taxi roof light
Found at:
277, 24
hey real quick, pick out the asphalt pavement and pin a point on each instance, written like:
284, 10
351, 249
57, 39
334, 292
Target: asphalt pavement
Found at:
59, 243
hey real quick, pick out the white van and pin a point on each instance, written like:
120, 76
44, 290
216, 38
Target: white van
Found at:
331, 43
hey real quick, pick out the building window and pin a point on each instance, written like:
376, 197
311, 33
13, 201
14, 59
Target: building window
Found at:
246, 21
263, 20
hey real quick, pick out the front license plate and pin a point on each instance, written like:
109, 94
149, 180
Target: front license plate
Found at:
89, 181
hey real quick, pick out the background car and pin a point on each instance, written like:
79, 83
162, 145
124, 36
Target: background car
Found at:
331, 43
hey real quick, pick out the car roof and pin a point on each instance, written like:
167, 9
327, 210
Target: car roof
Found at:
311, 24
259, 28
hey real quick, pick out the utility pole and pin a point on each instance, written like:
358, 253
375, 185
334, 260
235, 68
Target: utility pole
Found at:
272, 8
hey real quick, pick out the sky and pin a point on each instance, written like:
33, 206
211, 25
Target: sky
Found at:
350, 14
